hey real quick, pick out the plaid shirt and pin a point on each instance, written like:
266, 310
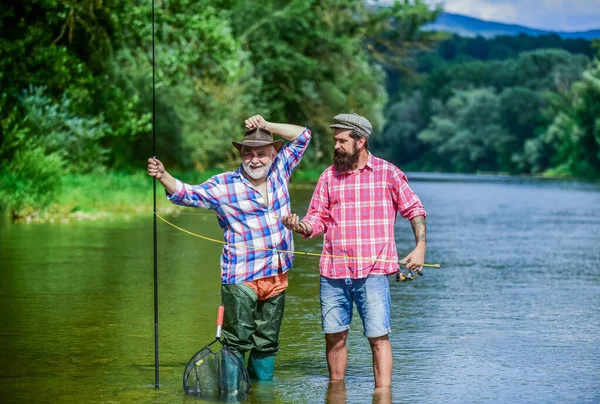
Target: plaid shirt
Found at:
246, 219
357, 212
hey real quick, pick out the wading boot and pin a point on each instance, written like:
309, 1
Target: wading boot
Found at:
232, 379
261, 367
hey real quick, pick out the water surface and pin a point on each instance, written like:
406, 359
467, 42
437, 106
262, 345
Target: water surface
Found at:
511, 317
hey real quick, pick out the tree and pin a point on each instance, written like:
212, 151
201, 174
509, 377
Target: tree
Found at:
466, 134
575, 132
318, 59
398, 141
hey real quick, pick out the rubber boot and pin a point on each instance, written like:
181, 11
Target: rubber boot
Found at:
231, 375
261, 367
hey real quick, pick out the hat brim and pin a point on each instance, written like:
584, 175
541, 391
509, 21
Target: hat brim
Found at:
341, 126
258, 143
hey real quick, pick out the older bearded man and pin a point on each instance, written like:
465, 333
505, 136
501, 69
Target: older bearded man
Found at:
249, 204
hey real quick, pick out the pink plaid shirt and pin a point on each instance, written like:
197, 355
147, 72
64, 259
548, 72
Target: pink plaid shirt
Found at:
357, 212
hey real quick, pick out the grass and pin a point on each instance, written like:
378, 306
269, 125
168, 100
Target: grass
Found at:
92, 196
115, 193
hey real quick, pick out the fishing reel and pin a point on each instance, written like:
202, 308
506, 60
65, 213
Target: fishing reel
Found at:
410, 276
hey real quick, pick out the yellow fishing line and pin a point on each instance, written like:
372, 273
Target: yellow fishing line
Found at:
284, 251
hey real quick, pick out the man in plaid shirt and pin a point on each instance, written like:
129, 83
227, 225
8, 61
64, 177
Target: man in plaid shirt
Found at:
249, 203
355, 204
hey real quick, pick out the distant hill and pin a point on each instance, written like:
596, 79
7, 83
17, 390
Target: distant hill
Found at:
470, 27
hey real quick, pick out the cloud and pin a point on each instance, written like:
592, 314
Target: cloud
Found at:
486, 10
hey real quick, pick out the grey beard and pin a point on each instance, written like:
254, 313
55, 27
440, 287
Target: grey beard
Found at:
257, 174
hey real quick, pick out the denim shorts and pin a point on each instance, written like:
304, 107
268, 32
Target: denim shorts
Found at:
372, 298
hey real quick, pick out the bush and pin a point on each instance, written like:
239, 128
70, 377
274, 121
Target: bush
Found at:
30, 182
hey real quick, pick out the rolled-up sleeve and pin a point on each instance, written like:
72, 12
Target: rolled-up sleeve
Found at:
318, 210
204, 195
408, 203
290, 155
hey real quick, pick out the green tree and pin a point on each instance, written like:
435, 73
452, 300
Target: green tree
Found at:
466, 134
542, 69
521, 116
398, 141
575, 132
204, 83
69, 46
318, 59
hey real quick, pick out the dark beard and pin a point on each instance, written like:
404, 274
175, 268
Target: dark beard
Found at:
345, 162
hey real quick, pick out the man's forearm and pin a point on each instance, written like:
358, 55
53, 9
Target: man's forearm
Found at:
419, 230
305, 228
285, 130
169, 182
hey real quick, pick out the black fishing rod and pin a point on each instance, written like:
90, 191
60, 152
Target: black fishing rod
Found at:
156, 383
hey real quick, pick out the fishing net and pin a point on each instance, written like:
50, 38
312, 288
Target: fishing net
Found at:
216, 374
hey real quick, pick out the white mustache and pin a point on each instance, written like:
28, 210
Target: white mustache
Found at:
256, 172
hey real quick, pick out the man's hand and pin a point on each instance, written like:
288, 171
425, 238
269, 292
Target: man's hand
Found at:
415, 260
256, 121
293, 223
283, 130
156, 169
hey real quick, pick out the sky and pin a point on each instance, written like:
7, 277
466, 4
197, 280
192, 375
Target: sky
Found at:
552, 15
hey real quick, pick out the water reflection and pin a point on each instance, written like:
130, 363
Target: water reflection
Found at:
382, 395
336, 393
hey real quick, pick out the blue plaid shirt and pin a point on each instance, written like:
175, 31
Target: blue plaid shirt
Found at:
246, 218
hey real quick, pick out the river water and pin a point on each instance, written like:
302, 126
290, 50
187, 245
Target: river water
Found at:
512, 315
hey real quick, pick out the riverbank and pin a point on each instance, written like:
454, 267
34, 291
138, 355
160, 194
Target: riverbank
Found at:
102, 195
119, 194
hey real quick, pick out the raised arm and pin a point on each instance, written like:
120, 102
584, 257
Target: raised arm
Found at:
203, 195
284, 130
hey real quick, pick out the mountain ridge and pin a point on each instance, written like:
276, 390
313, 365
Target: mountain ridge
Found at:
470, 27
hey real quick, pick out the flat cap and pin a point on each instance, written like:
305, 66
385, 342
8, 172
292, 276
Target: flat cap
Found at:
359, 124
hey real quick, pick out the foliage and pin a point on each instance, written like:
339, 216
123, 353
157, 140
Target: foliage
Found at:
467, 133
575, 131
398, 141
29, 181
502, 47
315, 59
477, 115
76, 94
81, 100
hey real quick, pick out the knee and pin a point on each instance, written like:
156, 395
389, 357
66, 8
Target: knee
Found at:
379, 342
336, 339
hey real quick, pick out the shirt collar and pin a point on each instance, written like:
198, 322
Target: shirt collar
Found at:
370, 162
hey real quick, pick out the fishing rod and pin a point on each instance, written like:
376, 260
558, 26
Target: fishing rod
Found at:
156, 378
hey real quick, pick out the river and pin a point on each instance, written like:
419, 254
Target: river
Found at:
512, 315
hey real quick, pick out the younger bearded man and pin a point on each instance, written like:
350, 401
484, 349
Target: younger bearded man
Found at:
355, 204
